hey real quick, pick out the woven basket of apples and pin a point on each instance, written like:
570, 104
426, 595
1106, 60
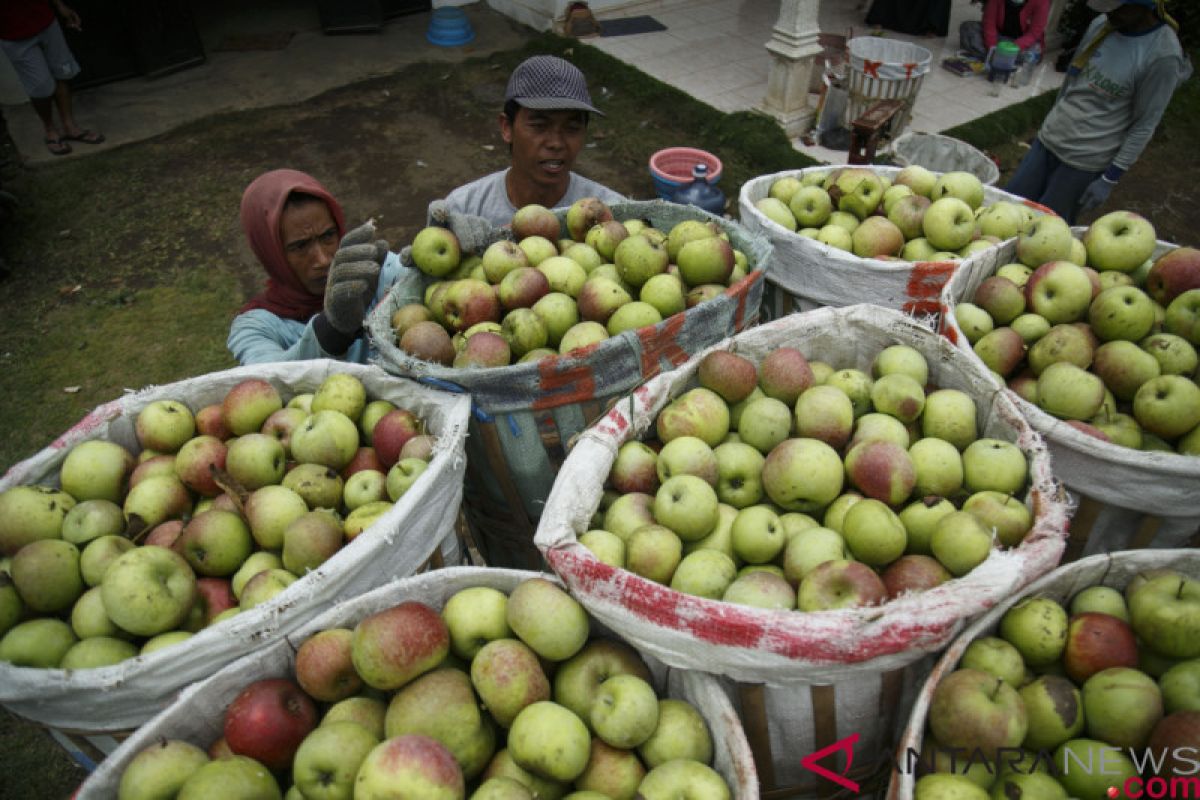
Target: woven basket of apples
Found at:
1082, 685
1097, 334
810, 508
467, 682
256, 504
543, 330
881, 235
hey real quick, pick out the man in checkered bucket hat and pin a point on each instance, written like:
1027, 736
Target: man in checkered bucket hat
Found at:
544, 122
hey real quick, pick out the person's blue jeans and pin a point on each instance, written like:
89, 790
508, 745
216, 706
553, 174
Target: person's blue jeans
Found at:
1044, 178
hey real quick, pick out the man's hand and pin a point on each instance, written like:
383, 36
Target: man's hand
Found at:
474, 234
353, 278
70, 18
1096, 193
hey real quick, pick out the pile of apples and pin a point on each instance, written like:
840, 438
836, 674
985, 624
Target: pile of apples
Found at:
917, 217
541, 295
792, 484
1067, 702
1095, 332
221, 510
505, 696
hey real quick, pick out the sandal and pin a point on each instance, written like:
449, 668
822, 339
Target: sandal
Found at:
57, 146
86, 136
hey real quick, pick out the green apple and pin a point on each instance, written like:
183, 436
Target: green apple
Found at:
608, 548
1119, 240
1167, 406
96, 470
1036, 626
942, 786
1059, 291
920, 518
938, 466
1180, 686
327, 761
975, 709
949, 223
994, 464
1007, 517
1121, 706
973, 321
764, 422
1068, 392
148, 590
547, 619
549, 740
160, 769
994, 655
803, 475
624, 713
40, 642
1110, 766
873, 533
1165, 613
683, 778
47, 575
687, 505
1046, 238
704, 573
1122, 312
960, 542
1055, 709
810, 548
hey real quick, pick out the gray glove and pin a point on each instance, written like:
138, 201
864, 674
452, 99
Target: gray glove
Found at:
353, 278
1096, 193
474, 234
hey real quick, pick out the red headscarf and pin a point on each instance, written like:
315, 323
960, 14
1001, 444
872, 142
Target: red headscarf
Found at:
262, 205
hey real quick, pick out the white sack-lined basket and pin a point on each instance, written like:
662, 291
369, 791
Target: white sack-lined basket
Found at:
1114, 570
1130, 483
398, 544
791, 648
941, 153
806, 274
197, 716
526, 414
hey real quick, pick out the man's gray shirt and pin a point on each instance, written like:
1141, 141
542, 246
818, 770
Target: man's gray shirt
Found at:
487, 197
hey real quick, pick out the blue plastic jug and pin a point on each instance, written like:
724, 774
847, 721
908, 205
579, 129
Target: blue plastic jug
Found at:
701, 193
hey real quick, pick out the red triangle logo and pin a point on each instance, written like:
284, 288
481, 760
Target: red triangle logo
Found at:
809, 762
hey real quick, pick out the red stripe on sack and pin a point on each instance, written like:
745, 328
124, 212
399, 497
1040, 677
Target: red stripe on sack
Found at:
554, 375
872, 68
101, 415
661, 341
945, 327
928, 278
908, 70
612, 424
731, 626
1040, 207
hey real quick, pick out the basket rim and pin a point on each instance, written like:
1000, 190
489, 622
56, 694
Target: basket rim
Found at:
711, 161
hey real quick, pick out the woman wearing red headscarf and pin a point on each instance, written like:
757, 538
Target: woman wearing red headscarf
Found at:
318, 291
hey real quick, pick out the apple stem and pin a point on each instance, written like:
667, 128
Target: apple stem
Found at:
996, 690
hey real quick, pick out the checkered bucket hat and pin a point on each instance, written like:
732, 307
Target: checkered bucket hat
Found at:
549, 83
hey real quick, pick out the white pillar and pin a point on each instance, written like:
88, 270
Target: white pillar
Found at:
793, 48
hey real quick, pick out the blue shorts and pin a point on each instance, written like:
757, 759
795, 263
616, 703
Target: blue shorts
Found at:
41, 61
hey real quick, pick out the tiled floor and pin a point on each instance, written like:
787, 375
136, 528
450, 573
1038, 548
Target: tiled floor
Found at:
714, 49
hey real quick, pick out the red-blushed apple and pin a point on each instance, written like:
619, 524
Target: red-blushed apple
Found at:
392, 432
840, 584
635, 468
785, 374
972, 709
420, 446
428, 341
881, 470
164, 534
196, 461
1173, 274
158, 465
442, 705
508, 677
1175, 739
611, 772
268, 720
913, 573
698, 412
582, 215
406, 316
364, 458
215, 595
825, 413
393, 646
248, 404
535, 220
728, 374
410, 766
210, 421
1096, 642
700, 294
215, 543
1001, 350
